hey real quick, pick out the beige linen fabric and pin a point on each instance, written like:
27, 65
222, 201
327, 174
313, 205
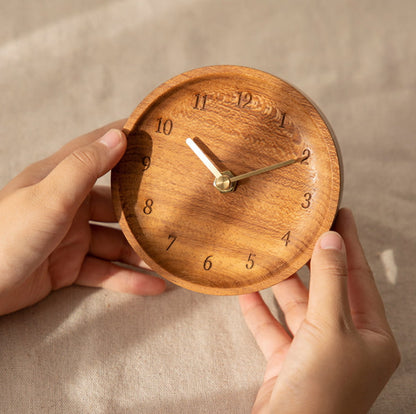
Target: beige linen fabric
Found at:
67, 67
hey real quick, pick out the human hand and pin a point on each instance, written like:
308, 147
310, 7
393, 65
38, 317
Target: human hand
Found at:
340, 351
47, 241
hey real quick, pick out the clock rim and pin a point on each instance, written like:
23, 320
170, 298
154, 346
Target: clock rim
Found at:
159, 93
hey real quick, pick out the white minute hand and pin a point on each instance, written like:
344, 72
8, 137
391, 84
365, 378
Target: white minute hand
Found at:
203, 157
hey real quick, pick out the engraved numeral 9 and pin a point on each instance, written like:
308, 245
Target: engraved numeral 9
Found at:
164, 127
146, 163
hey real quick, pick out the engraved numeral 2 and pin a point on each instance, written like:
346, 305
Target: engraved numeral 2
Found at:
306, 154
200, 101
164, 127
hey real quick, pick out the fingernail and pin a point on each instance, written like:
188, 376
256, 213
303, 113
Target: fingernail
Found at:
331, 241
111, 138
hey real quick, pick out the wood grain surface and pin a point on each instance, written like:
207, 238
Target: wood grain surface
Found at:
240, 241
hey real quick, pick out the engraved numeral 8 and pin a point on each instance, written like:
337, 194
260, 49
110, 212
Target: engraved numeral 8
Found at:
148, 206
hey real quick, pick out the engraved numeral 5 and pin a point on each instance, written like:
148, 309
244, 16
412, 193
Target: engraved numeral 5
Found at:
250, 261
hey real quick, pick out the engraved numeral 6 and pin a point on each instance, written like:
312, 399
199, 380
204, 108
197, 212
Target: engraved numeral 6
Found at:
207, 263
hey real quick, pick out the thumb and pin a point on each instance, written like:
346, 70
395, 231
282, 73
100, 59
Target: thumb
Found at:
328, 291
69, 183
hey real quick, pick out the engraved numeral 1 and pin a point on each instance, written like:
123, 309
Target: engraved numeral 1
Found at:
200, 101
164, 127
286, 238
282, 122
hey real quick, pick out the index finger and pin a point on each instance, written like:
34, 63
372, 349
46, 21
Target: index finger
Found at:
367, 307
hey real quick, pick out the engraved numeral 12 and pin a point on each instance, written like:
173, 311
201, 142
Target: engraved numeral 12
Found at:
200, 101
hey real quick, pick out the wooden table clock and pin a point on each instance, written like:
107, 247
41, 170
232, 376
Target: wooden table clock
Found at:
229, 178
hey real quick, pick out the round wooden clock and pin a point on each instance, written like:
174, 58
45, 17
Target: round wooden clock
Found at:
229, 178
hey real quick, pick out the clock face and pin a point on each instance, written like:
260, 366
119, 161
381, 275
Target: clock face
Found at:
217, 123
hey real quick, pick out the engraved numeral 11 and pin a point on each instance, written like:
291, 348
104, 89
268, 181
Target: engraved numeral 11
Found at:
200, 101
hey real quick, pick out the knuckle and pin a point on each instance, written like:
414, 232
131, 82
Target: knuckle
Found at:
335, 270
86, 159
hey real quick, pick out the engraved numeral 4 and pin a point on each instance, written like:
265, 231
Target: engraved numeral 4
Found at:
286, 238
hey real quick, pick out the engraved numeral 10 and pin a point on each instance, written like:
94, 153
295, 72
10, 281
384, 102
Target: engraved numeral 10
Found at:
200, 101
164, 127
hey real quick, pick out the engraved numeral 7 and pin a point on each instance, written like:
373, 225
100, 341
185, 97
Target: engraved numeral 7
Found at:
173, 238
